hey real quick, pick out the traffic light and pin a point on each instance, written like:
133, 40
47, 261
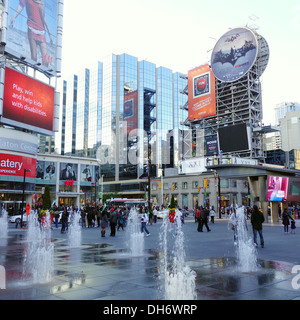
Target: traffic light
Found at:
159, 185
173, 187
205, 184
198, 189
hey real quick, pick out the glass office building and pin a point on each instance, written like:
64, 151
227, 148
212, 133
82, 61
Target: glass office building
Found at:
126, 113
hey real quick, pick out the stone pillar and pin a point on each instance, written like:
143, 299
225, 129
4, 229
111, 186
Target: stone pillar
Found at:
258, 188
274, 212
263, 196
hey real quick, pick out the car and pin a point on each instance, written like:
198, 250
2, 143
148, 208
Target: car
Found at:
17, 218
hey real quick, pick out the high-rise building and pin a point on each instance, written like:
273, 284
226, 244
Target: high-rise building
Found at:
81, 113
283, 108
126, 113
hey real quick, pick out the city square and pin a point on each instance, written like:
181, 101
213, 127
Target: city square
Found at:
110, 118
104, 269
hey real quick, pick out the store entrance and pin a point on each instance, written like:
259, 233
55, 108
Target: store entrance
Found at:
12, 207
67, 202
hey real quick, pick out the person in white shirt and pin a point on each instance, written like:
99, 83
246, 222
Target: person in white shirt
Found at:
144, 221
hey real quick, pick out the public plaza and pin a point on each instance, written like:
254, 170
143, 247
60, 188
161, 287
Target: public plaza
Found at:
103, 269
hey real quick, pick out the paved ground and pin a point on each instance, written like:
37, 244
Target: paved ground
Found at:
103, 268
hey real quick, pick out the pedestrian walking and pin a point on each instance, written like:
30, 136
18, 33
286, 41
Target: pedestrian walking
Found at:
121, 221
64, 221
113, 222
83, 217
285, 217
204, 219
103, 222
198, 218
257, 219
144, 221
212, 214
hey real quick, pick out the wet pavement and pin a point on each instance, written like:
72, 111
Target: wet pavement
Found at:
103, 268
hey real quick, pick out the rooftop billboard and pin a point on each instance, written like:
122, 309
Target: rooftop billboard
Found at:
234, 138
234, 54
201, 93
32, 28
27, 103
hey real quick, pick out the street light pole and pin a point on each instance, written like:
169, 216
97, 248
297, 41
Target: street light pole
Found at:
23, 195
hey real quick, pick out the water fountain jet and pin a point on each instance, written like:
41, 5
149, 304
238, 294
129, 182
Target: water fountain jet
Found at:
178, 280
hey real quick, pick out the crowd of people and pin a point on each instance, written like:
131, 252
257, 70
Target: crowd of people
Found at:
116, 218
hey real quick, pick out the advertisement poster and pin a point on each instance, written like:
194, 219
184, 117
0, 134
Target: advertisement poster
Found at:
212, 146
87, 173
68, 171
277, 188
234, 54
202, 93
27, 103
31, 32
13, 165
46, 170
131, 110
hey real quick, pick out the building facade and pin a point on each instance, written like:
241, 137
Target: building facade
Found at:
126, 114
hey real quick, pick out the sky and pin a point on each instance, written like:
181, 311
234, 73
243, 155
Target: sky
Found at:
180, 35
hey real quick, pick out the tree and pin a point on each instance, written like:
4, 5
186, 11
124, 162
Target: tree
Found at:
47, 199
172, 204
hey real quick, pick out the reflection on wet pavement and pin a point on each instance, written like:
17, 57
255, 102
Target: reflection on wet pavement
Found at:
100, 271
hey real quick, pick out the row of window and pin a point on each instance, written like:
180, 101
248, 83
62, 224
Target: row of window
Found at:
224, 183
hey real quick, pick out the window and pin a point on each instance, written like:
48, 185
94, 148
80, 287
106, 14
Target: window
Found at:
184, 200
195, 185
166, 186
224, 183
184, 185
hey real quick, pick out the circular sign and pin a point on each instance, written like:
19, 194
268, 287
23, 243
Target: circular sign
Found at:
234, 54
201, 84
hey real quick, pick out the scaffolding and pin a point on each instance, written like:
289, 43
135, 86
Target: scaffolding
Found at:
238, 102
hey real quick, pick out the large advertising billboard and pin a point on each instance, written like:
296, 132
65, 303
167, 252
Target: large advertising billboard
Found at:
234, 138
32, 32
13, 165
27, 103
234, 54
201, 93
277, 188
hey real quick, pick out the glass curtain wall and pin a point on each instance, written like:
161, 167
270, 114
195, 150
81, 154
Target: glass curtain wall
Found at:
109, 110
128, 115
164, 116
147, 116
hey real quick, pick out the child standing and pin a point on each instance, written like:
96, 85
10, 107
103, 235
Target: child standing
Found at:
293, 226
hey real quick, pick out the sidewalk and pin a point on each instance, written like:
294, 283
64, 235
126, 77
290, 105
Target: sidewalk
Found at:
102, 268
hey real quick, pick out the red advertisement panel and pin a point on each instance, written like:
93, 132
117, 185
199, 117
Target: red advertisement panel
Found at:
131, 110
202, 93
27, 102
277, 188
12, 165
